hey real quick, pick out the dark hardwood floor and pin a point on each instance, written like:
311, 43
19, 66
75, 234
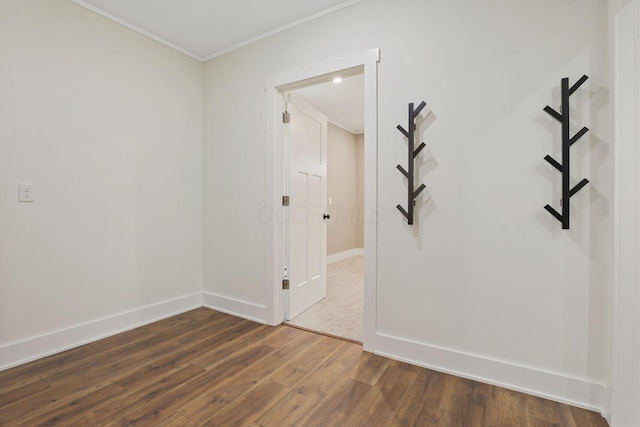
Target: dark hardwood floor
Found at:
207, 368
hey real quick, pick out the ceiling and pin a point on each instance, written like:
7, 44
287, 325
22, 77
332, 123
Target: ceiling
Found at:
205, 29
342, 103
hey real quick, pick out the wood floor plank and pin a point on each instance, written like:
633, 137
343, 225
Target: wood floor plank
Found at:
511, 410
335, 408
545, 411
293, 408
338, 367
229, 388
166, 326
69, 357
406, 366
249, 406
374, 401
395, 384
459, 412
191, 393
584, 418
133, 397
407, 410
208, 329
229, 342
483, 408
176, 420
208, 368
321, 382
536, 422
281, 335
110, 368
90, 364
22, 390
434, 404
216, 347
371, 367
297, 366
53, 408
225, 327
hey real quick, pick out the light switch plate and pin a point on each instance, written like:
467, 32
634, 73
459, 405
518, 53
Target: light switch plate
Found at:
25, 192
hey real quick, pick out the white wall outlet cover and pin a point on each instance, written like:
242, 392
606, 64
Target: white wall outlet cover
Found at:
26, 193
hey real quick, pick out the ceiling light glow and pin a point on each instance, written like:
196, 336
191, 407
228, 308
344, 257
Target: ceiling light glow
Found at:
337, 80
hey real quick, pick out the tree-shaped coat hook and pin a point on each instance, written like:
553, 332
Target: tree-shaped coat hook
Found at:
567, 141
413, 152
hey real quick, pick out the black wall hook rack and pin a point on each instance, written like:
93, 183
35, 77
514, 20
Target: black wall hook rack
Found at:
567, 141
412, 193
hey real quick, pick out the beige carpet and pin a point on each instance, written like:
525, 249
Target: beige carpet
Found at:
341, 312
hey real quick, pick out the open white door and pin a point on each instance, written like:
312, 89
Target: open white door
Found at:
306, 228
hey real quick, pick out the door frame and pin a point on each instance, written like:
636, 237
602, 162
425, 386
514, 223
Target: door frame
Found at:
624, 24
275, 86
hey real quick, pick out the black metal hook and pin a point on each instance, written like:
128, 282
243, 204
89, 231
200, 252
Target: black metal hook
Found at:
567, 141
412, 154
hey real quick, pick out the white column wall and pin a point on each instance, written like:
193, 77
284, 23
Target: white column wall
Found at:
625, 35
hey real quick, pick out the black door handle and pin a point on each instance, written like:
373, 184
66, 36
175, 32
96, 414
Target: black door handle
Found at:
326, 216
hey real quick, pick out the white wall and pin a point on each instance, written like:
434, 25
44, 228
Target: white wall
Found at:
342, 228
107, 125
360, 190
486, 274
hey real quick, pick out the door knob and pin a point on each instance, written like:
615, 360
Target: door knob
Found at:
326, 216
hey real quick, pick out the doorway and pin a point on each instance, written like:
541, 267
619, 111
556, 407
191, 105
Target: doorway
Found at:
349, 65
340, 312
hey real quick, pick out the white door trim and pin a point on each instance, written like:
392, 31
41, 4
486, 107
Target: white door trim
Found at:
625, 57
273, 212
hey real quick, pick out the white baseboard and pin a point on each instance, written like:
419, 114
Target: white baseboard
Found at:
235, 307
560, 388
345, 255
45, 345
